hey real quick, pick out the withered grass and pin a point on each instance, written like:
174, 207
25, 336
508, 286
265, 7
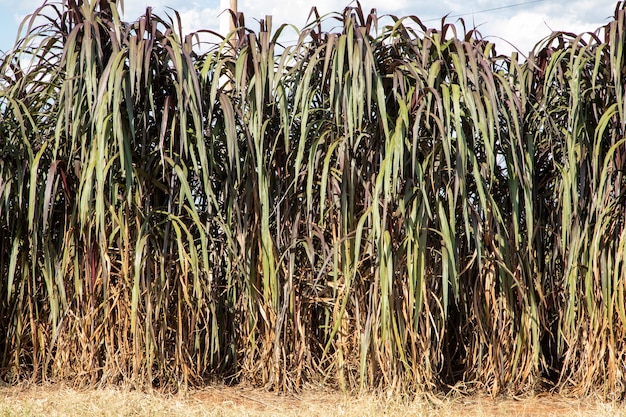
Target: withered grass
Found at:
56, 401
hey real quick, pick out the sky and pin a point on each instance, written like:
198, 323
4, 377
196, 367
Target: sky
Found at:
522, 23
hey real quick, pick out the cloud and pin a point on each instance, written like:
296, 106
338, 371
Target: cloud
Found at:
197, 19
526, 28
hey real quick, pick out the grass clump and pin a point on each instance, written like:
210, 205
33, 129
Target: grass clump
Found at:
382, 205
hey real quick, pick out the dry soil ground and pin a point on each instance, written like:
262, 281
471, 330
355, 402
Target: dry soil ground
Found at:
52, 401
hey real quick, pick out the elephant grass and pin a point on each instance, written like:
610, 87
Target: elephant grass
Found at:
382, 205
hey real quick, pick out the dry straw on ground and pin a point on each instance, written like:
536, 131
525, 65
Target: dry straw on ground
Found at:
53, 401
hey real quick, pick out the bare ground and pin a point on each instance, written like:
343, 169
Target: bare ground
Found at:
56, 400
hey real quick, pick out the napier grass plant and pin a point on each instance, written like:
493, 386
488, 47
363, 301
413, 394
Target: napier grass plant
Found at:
379, 205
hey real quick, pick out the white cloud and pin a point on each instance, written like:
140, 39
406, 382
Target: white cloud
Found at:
196, 19
525, 29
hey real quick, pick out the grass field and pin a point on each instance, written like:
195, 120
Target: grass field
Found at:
52, 401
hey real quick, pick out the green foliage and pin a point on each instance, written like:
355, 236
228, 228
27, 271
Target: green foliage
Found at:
382, 205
